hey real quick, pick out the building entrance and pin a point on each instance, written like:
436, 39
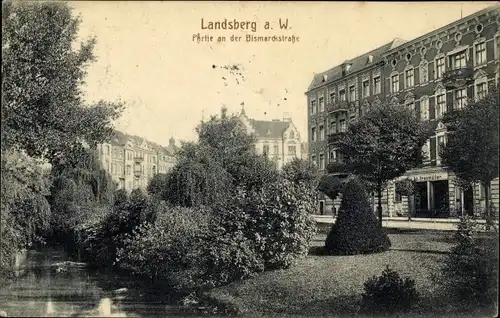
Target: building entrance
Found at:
431, 199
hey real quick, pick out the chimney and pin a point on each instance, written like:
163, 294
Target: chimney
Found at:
287, 117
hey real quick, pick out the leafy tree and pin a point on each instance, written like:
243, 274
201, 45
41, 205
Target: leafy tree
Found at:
383, 145
156, 185
43, 111
301, 171
223, 159
471, 151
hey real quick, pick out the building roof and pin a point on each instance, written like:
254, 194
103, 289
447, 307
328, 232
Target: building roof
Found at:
358, 63
494, 7
120, 139
269, 129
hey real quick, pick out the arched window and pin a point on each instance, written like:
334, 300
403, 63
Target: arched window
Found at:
292, 134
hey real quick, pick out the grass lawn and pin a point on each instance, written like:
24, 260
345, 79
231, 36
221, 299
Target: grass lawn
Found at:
323, 285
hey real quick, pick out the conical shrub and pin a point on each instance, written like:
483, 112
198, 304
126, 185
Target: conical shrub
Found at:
356, 230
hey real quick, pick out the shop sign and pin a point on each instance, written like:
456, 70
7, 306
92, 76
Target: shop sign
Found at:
431, 177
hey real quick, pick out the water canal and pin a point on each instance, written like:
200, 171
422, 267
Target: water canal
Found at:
52, 285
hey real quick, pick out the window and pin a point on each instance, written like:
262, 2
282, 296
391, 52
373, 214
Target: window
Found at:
424, 72
107, 150
342, 95
321, 104
441, 142
292, 134
366, 88
480, 49
313, 107
332, 156
395, 83
424, 108
292, 150
352, 93
332, 97
460, 98
440, 105
480, 90
458, 60
410, 105
129, 170
265, 150
321, 161
342, 125
409, 78
313, 134
440, 67
333, 127
321, 132
276, 149
376, 85
313, 159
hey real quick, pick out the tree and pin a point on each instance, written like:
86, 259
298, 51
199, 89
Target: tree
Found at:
471, 151
383, 145
301, 171
223, 159
43, 111
356, 230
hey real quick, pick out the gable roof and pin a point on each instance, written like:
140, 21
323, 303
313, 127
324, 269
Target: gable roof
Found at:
269, 129
358, 63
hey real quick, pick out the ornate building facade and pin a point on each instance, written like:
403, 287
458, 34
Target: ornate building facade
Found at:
132, 161
279, 139
432, 74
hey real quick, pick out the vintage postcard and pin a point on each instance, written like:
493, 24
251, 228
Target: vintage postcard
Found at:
274, 158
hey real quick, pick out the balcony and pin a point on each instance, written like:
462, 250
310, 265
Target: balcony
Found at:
137, 173
334, 137
138, 158
337, 107
457, 78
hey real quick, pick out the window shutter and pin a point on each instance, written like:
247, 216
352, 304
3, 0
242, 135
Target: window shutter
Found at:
470, 91
432, 108
417, 108
449, 101
432, 151
490, 51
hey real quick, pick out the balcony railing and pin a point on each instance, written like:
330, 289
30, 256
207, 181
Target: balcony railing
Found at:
458, 77
337, 106
138, 158
334, 137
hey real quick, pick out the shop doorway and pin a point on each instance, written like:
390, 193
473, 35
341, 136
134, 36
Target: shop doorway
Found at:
441, 202
421, 200
469, 201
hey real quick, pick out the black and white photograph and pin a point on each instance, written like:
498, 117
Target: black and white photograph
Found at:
249, 159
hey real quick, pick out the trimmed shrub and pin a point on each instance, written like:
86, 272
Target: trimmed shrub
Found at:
389, 293
470, 272
356, 230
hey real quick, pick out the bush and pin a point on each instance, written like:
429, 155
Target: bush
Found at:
356, 230
470, 272
167, 249
100, 238
389, 293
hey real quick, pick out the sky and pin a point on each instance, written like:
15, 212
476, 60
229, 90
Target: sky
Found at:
146, 56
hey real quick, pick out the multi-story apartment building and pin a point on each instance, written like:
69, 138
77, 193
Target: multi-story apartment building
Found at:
335, 98
279, 139
132, 161
432, 74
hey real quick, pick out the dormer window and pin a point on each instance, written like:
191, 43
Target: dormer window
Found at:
370, 59
325, 77
345, 68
